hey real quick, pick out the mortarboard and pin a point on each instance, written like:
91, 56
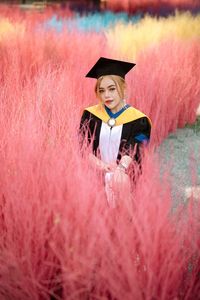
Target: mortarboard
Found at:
106, 66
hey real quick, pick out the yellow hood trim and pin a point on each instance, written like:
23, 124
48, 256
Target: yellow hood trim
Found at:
129, 115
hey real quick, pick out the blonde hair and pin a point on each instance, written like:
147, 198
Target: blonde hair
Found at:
119, 82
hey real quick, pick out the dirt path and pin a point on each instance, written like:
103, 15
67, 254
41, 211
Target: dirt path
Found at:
180, 154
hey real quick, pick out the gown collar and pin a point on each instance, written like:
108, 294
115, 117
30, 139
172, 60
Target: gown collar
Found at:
115, 115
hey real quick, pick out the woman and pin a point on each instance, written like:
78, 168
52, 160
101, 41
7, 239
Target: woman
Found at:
116, 130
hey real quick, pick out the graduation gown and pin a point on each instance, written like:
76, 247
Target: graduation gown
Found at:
135, 130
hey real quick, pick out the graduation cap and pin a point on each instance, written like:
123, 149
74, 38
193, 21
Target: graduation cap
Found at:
106, 66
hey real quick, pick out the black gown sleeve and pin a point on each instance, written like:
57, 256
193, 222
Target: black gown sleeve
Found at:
89, 130
84, 131
140, 135
142, 138
84, 122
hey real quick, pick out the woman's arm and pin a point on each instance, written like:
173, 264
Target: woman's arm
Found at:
125, 161
84, 126
139, 137
99, 164
86, 132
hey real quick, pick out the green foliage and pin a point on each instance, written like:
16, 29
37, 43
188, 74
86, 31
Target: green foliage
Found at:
195, 126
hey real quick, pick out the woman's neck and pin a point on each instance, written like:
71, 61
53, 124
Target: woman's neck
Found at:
117, 108
117, 114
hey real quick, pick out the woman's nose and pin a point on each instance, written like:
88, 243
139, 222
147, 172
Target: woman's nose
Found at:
107, 94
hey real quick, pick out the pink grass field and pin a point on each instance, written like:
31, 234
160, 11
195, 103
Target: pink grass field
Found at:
33, 16
58, 236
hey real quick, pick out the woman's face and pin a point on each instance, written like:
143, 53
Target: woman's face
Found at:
109, 94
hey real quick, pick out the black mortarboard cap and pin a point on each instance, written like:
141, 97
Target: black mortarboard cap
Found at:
106, 66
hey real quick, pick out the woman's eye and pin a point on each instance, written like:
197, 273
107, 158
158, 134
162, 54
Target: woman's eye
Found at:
112, 89
100, 91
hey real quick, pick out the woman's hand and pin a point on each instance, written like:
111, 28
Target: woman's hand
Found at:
120, 177
103, 166
99, 164
120, 185
106, 167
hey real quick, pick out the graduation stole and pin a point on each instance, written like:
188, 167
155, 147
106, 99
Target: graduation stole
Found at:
128, 115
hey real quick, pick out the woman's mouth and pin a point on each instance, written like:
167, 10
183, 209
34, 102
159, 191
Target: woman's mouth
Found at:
107, 102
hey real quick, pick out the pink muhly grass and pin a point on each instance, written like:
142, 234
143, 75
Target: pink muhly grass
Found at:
23, 58
170, 80
58, 235
139, 250
166, 85
33, 17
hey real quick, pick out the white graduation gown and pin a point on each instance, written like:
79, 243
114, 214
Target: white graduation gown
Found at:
109, 143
